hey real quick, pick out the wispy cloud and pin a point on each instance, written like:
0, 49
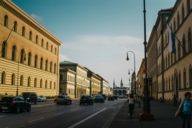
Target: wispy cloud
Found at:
37, 17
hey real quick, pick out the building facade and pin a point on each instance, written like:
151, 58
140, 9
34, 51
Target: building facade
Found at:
29, 57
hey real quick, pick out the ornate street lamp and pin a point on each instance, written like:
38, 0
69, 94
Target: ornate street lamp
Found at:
146, 114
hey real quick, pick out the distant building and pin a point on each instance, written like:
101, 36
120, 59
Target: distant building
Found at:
120, 91
29, 54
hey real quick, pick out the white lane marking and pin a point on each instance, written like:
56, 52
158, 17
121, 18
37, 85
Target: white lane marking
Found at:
31, 121
89, 117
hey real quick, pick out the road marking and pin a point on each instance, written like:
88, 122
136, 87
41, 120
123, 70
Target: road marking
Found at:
31, 121
89, 117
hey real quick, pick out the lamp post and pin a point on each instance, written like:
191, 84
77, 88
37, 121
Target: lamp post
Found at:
134, 91
145, 115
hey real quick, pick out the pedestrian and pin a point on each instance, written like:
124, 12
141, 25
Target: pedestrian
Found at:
131, 101
185, 110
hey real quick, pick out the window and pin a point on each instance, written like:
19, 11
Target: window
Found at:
13, 79
29, 58
22, 57
54, 85
23, 31
46, 65
50, 84
41, 83
15, 26
13, 57
4, 49
29, 81
55, 51
54, 68
46, 84
41, 63
51, 66
47, 46
189, 40
184, 79
36, 60
30, 35
188, 6
3, 77
6, 21
184, 45
35, 82
51, 48
183, 13
36, 39
42, 42
21, 80
190, 76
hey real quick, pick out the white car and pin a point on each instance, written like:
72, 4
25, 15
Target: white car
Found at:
41, 99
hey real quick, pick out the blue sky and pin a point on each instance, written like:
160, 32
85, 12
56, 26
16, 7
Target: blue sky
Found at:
98, 33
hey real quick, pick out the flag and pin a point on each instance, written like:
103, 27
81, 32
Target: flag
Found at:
171, 40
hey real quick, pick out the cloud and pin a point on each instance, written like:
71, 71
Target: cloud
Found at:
37, 17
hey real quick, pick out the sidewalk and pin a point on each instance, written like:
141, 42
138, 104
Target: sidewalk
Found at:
163, 113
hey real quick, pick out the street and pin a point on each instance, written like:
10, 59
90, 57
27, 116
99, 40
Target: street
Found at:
50, 115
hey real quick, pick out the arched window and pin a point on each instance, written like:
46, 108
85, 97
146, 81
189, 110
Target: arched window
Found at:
46, 65
188, 6
36, 61
13, 57
4, 49
29, 81
35, 82
189, 40
41, 63
51, 48
54, 85
184, 79
13, 79
51, 66
23, 31
29, 58
55, 51
21, 80
50, 84
36, 39
41, 83
15, 26
190, 76
3, 75
30, 35
6, 21
22, 57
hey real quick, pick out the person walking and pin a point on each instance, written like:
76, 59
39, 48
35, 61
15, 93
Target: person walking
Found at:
131, 102
185, 110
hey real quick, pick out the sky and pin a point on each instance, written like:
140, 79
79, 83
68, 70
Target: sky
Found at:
98, 34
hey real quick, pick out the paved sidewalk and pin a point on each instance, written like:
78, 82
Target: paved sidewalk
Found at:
163, 113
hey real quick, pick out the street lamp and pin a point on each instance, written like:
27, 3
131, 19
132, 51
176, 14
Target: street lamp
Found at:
134, 73
145, 115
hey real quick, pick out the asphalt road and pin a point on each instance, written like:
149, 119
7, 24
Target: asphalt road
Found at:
50, 115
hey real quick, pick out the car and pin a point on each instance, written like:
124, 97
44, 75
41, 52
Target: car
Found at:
30, 97
111, 98
99, 99
14, 104
86, 99
41, 98
63, 99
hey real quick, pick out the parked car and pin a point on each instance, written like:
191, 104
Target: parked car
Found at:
99, 99
111, 98
86, 99
14, 104
63, 99
41, 99
30, 97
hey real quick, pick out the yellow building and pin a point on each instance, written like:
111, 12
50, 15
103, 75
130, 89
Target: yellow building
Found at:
29, 54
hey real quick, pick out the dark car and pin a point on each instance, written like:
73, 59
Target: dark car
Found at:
111, 98
14, 104
63, 99
88, 100
99, 99
30, 97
